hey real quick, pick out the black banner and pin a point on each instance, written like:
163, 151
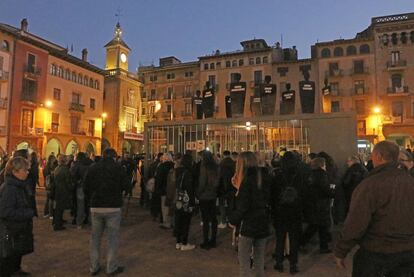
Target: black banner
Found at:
287, 104
238, 97
268, 92
208, 103
198, 107
307, 96
255, 102
228, 106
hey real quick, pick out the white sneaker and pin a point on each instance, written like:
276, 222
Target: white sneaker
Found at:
187, 246
222, 226
178, 246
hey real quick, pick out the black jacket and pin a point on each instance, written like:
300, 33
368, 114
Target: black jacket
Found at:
187, 183
353, 176
252, 207
104, 184
226, 171
318, 198
62, 187
161, 176
78, 171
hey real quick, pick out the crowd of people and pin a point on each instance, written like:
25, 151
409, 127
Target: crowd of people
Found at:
291, 197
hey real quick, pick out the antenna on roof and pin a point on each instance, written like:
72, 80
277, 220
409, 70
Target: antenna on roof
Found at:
118, 14
281, 40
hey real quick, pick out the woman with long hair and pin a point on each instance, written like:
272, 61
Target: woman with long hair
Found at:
251, 213
16, 215
207, 194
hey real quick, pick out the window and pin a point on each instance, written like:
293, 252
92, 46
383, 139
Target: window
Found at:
361, 125
333, 69
80, 78
403, 38
251, 61
153, 78
396, 82
241, 62
188, 74
228, 64
169, 92
55, 122
394, 39
85, 80
5, 46
91, 82
325, 53
188, 108
359, 66
234, 77
266, 59
359, 87
397, 108
67, 74
338, 52
212, 80
54, 70
258, 60
143, 94
364, 49
143, 111
92, 103
27, 121
61, 72
360, 106
152, 109
56, 94
76, 97
351, 50
73, 76
234, 63
385, 39
29, 92
96, 84
74, 124
129, 121
335, 107
395, 57
169, 108
335, 89
218, 65
153, 94
31, 63
91, 128
206, 66
170, 76
258, 77
187, 89
212, 66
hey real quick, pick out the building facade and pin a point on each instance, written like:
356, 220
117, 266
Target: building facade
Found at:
368, 75
123, 126
56, 98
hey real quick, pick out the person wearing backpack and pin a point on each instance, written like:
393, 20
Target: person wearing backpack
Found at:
184, 202
287, 210
318, 205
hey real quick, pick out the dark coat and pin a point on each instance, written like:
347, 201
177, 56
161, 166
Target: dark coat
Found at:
161, 177
104, 184
78, 172
318, 198
15, 209
353, 176
184, 179
252, 207
226, 171
62, 187
207, 183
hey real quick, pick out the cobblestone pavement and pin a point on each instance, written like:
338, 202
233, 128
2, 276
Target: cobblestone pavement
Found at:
147, 250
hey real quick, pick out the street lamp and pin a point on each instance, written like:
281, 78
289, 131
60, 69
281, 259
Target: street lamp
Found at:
48, 104
377, 110
104, 116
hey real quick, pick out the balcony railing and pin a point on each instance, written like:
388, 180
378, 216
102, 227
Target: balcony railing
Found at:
3, 103
77, 107
397, 90
4, 76
396, 64
357, 70
32, 70
29, 96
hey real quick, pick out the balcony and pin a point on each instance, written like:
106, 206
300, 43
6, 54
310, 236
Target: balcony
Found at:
77, 107
334, 73
391, 65
360, 91
359, 71
29, 96
3, 103
397, 90
32, 71
4, 76
3, 131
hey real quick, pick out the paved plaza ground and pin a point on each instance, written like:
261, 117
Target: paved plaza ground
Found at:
147, 250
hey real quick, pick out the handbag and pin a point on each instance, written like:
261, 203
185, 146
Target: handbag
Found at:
183, 199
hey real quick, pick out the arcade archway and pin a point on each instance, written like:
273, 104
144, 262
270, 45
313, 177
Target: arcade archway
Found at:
72, 148
89, 149
53, 147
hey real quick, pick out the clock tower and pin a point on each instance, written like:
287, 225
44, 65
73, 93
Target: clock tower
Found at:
117, 51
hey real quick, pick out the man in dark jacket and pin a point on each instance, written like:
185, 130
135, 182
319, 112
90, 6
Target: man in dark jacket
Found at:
161, 177
380, 219
225, 189
104, 185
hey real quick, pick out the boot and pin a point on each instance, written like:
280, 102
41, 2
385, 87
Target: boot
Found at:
279, 267
293, 269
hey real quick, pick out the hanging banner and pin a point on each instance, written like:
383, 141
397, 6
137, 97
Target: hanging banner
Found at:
287, 103
307, 96
255, 102
238, 97
227, 99
268, 93
208, 102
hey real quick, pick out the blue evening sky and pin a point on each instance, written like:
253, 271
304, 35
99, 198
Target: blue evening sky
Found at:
188, 29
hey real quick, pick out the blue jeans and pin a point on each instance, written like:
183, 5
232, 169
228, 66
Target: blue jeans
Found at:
247, 248
111, 223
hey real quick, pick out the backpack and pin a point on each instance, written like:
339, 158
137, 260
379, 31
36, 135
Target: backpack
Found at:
289, 195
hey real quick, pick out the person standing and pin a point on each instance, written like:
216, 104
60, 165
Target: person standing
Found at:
16, 214
354, 174
104, 184
161, 179
61, 192
226, 171
252, 213
406, 160
48, 176
207, 194
380, 219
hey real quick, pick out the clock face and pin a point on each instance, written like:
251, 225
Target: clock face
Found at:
123, 57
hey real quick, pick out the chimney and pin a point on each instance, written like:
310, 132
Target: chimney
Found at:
23, 25
85, 55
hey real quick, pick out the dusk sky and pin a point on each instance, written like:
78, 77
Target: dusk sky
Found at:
188, 29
